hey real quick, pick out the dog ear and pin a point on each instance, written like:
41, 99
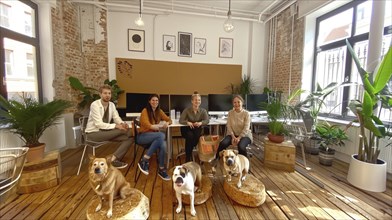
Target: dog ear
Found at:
109, 159
221, 153
91, 157
235, 152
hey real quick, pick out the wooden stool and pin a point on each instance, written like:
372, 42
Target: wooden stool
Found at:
41, 175
279, 156
135, 206
252, 192
204, 195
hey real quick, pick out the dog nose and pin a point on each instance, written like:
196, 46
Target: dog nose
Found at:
97, 170
179, 180
229, 162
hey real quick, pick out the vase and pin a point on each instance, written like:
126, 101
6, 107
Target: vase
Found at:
35, 153
367, 176
326, 157
275, 138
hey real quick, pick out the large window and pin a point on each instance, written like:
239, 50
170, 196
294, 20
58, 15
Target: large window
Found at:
19, 47
352, 22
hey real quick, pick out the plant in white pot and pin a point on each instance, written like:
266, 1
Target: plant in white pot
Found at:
366, 171
331, 136
29, 119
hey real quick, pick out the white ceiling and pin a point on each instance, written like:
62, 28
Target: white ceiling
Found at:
252, 10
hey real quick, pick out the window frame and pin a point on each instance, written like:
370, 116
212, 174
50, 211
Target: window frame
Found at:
34, 41
353, 39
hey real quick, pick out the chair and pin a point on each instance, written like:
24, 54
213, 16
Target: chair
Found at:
195, 149
93, 144
135, 126
298, 133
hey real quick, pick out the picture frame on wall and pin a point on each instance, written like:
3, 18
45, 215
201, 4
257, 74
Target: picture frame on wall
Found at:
200, 46
169, 43
225, 47
136, 40
184, 44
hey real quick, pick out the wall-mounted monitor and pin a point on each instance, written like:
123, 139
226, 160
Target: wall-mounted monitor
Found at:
136, 102
220, 102
253, 102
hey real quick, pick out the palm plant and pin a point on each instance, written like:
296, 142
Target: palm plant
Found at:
29, 118
371, 127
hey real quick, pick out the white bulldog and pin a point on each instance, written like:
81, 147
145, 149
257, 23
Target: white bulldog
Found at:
234, 164
186, 180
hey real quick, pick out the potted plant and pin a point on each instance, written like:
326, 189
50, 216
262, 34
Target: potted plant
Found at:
90, 94
276, 120
29, 119
246, 86
366, 171
330, 136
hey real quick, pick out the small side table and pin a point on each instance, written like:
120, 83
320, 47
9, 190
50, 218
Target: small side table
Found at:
41, 175
279, 156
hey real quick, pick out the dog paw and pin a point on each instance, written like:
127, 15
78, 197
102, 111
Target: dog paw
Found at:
243, 178
178, 210
193, 212
109, 214
239, 186
98, 207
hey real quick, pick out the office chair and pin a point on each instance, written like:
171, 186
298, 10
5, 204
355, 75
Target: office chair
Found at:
93, 144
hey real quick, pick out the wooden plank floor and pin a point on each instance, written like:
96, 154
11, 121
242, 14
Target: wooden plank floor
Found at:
289, 195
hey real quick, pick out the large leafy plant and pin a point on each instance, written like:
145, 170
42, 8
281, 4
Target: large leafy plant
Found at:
331, 135
246, 86
370, 125
29, 118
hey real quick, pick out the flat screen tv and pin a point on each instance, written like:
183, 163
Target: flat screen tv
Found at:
136, 102
253, 102
220, 102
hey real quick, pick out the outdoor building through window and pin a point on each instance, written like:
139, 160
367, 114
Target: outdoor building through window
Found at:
19, 45
331, 64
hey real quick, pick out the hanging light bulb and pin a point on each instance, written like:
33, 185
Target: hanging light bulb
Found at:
228, 25
139, 22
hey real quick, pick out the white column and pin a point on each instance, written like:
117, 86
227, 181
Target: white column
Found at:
375, 35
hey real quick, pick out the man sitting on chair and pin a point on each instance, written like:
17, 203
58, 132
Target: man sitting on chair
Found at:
99, 128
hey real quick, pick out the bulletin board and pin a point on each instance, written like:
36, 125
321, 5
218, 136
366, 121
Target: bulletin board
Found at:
164, 77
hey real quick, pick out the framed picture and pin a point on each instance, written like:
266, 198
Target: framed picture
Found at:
184, 44
169, 43
136, 40
226, 47
200, 46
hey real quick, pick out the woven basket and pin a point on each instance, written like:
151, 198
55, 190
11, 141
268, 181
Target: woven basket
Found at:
208, 146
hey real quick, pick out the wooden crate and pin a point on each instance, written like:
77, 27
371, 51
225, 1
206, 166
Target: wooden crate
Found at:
40, 175
279, 156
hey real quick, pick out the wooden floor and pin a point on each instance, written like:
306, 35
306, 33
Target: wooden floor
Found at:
289, 195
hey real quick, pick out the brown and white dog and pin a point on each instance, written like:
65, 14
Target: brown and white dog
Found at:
107, 182
186, 180
235, 163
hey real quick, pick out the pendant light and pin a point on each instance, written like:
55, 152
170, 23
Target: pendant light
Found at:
139, 22
228, 25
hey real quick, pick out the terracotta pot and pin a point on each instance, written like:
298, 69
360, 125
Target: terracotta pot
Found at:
35, 153
275, 138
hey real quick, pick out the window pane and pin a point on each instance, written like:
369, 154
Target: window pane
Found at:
388, 14
364, 13
335, 28
23, 77
18, 17
330, 68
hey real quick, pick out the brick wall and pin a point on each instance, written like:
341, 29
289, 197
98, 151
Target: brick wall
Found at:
86, 60
280, 75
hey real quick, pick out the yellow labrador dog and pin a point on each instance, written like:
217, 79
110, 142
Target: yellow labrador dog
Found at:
235, 163
107, 182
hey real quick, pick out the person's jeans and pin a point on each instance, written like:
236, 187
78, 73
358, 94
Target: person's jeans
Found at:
226, 142
191, 140
156, 140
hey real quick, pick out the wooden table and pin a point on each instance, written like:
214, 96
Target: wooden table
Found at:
279, 156
40, 175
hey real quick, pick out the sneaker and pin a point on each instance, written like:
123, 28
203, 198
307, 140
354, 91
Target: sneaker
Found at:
163, 175
143, 166
118, 164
